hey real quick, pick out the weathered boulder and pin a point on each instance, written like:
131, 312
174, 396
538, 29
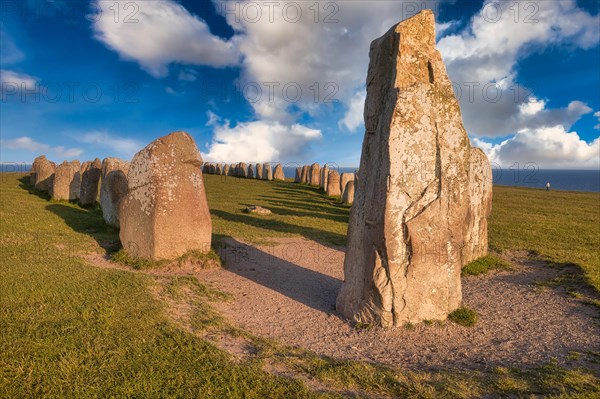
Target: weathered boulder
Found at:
90, 180
406, 232
232, 170
251, 170
165, 214
226, 169
42, 174
259, 171
298, 176
267, 172
67, 181
304, 174
205, 167
113, 187
348, 193
314, 175
324, 175
480, 207
212, 169
259, 210
344, 179
278, 173
219, 168
333, 183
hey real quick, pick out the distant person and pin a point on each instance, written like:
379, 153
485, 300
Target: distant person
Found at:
548, 186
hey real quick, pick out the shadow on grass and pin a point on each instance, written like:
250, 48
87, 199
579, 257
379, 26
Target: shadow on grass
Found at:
275, 271
25, 184
90, 222
324, 237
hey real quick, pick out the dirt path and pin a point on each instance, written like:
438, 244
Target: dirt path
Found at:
287, 292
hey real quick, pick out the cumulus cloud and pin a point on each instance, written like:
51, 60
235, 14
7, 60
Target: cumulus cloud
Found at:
120, 145
481, 60
9, 52
12, 82
547, 147
354, 116
28, 144
260, 141
326, 54
597, 115
156, 33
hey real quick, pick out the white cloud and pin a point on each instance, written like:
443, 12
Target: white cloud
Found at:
547, 147
121, 145
260, 141
13, 82
187, 75
213, 119
354, 115
597, 115
487, 51
327, 59
28, 144
156, 33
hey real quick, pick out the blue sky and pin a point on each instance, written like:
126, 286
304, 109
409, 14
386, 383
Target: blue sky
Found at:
104, 78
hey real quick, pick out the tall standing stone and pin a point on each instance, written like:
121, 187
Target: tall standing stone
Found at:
67, 181
90, 180
278, 173
333, 184
480, 207
243, 170
324, 175
219, 168
304, 174
165, 214
406, 232
251, 170
348, 193
259, 171
344, 179
298, 176
42, 174
314, 178
267, 172
231, 170
113, 188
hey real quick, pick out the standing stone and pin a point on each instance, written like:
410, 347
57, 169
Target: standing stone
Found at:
267, 172
480, 207
314, 177
344, 179
232, 170
406, 232
324, 176
67, 181
251, 170
225, 170
259, 171
219, 168
348, 193
304, 175
243, 168
298, 176
90, 179
212, 169
333, 184
278, 173
165, 214
113, 187
42, 174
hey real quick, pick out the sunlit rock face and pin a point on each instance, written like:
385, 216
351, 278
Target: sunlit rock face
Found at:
408, 224
165, 213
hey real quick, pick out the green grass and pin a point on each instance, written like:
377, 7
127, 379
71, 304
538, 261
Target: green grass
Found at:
297, 210
464, 316
484, 265
559, 226
73, 330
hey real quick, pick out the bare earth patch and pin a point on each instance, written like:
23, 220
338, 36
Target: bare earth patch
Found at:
287, 292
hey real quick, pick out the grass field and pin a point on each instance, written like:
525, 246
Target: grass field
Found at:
77, 331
